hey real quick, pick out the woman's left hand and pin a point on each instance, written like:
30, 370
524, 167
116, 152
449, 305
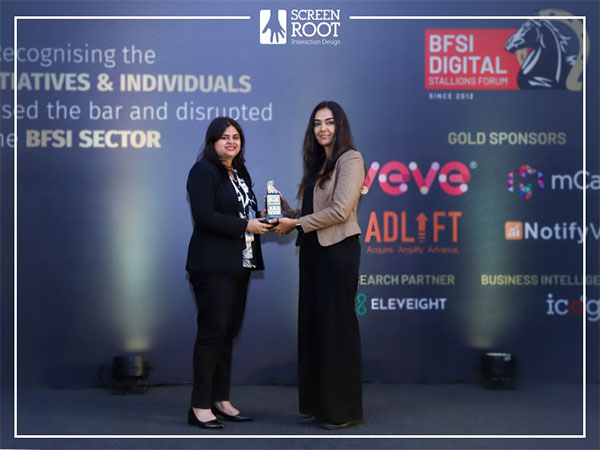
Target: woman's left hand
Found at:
283, 225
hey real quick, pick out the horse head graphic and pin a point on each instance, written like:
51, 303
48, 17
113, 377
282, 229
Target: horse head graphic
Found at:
548, 63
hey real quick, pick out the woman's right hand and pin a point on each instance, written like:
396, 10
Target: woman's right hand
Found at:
287, 210
256, 226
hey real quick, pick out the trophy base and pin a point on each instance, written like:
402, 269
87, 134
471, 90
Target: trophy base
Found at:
275, 216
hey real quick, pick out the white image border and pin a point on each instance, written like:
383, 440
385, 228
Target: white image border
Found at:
303, 436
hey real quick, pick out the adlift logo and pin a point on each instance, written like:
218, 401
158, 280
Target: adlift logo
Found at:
273, 26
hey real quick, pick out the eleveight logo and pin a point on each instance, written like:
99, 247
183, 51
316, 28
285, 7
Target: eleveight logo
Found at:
273, 26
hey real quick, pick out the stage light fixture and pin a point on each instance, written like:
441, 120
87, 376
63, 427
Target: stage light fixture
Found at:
129, 374
498, 371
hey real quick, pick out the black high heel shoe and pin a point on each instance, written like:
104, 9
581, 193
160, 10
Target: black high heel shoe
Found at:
237, 418
211, 424
308, 420
340, 426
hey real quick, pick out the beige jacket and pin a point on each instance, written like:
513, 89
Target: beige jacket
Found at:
335, 203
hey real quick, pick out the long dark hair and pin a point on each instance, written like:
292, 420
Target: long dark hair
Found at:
214, 132
313, 153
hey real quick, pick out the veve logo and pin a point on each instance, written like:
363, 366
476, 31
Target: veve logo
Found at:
526, 178
395, 176
273, 26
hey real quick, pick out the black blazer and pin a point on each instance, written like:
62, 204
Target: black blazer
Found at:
218, 238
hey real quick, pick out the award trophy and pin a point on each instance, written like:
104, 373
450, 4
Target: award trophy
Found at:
273, 200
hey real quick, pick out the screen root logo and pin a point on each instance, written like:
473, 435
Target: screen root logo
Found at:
525, 178
302, 27
273, 26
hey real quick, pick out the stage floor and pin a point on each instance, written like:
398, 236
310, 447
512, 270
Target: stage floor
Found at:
46, 415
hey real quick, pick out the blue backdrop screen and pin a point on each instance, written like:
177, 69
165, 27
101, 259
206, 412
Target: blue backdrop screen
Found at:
472, 217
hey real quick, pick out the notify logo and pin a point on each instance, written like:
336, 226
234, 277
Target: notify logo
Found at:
523, 180
513, 231
273, 26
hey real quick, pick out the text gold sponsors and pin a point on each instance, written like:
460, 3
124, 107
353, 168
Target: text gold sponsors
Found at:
474, 138
525, 279
387, 279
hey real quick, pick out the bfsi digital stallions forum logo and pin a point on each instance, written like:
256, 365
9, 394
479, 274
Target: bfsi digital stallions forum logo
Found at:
300, 27
540, 54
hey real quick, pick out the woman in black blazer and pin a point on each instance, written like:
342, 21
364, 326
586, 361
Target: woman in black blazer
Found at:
224, 248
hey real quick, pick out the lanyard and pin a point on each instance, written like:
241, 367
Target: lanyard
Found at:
241, 191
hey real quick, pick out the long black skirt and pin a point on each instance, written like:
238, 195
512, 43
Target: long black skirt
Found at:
329, 357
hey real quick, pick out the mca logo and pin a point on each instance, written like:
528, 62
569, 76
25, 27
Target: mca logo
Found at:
523, 181
273, 26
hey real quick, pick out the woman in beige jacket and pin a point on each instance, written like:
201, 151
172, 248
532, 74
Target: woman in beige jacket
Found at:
329, 361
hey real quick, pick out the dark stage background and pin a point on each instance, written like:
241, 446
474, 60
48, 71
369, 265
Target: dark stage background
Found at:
471, 224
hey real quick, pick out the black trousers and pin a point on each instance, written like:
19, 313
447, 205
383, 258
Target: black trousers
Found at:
329, 356
221, 300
